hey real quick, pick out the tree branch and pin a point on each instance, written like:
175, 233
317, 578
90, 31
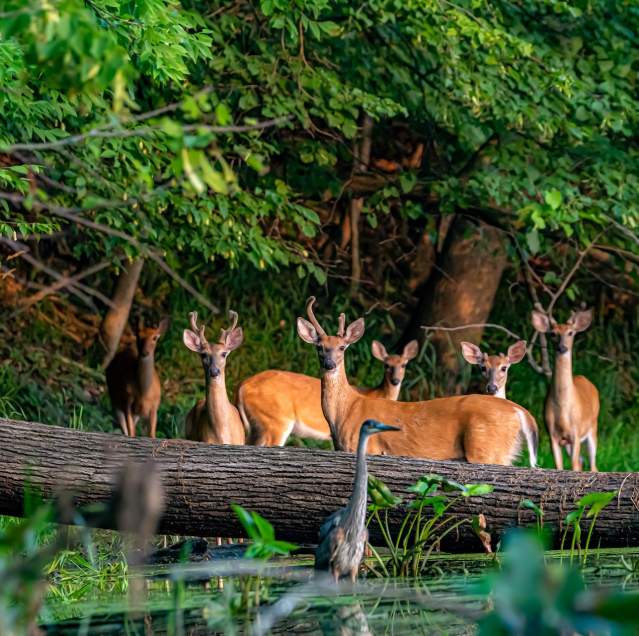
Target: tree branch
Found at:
101, 133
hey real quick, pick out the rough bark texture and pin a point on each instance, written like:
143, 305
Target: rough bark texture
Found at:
461, 290
116, 318
294, 488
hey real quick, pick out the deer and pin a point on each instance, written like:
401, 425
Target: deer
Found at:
275, 404
495, 369
571, 410
133, 382
214, 419
473, 428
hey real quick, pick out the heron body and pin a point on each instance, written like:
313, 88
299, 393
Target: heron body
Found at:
343, 536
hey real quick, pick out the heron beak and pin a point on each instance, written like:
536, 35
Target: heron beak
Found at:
386, 427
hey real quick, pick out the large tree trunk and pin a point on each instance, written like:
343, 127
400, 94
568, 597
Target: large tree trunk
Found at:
460, 291
114, 322
294, 488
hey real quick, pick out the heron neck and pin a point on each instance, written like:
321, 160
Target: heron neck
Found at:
357, 507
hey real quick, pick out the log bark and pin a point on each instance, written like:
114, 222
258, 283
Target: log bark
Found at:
294, 488
114, 322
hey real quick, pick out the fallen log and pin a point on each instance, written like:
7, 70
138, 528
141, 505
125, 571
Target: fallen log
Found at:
293, 488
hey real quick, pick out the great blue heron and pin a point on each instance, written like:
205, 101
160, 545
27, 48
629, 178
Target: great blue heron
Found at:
343, 535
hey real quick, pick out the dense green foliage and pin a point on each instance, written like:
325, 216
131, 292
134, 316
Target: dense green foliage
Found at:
527, 111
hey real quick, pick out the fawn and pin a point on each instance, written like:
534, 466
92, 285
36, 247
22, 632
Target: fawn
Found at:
133, 381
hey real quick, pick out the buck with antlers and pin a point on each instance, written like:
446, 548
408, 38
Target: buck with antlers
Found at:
133, 382
276, 404
475, 428
214, 419
572, 404
495, 370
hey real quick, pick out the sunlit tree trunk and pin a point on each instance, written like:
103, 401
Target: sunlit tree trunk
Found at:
117, 316
460, 291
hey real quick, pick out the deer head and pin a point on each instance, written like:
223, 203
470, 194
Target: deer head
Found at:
147, 337
494, 368
330, 349
564, 333
395, 364
213, 355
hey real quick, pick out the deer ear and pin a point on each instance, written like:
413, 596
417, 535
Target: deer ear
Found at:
582, 320
164, 325
379, 351
354, 331
306, 331
411, 350
234, 339
471, 353
540, 321
192, 341
516, 352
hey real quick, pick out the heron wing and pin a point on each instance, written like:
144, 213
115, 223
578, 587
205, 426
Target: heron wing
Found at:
327, 549
330, 523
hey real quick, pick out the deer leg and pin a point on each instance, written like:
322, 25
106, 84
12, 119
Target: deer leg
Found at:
130, 421
556, 453
121, 419
591, 445
576, 454
153, 422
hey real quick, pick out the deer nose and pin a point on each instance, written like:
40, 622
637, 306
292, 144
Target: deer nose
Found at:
491, 388
328, 364
395, 381
562, 348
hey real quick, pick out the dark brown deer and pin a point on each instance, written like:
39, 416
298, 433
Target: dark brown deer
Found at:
133, 381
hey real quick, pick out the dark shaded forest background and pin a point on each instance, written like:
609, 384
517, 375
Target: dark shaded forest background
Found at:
430, 163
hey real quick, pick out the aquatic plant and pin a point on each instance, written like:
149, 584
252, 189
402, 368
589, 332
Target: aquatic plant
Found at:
424, 526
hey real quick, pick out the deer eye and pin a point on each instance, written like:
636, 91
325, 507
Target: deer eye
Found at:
342, 347
224, 354
570, 333
404, 365
504, 368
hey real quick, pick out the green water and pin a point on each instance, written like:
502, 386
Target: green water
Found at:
204, 598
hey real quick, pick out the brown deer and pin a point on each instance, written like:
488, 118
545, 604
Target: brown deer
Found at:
474, 428
495, 370
214, 419
276, 404
133, 381
572, 404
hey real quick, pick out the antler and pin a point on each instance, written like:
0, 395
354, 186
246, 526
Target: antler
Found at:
198, 330
311, 316
226, 332
341, 325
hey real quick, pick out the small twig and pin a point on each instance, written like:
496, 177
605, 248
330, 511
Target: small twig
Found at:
477, 325
63, 282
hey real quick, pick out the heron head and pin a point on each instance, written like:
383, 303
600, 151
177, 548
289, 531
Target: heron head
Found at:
370, 427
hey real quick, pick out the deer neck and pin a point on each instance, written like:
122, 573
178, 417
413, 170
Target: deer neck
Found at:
563, 385
356, 515
389, 390
146, 372
337, 395
218, 406
501, 393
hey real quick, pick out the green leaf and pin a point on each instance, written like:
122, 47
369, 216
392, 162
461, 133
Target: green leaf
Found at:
553, 198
